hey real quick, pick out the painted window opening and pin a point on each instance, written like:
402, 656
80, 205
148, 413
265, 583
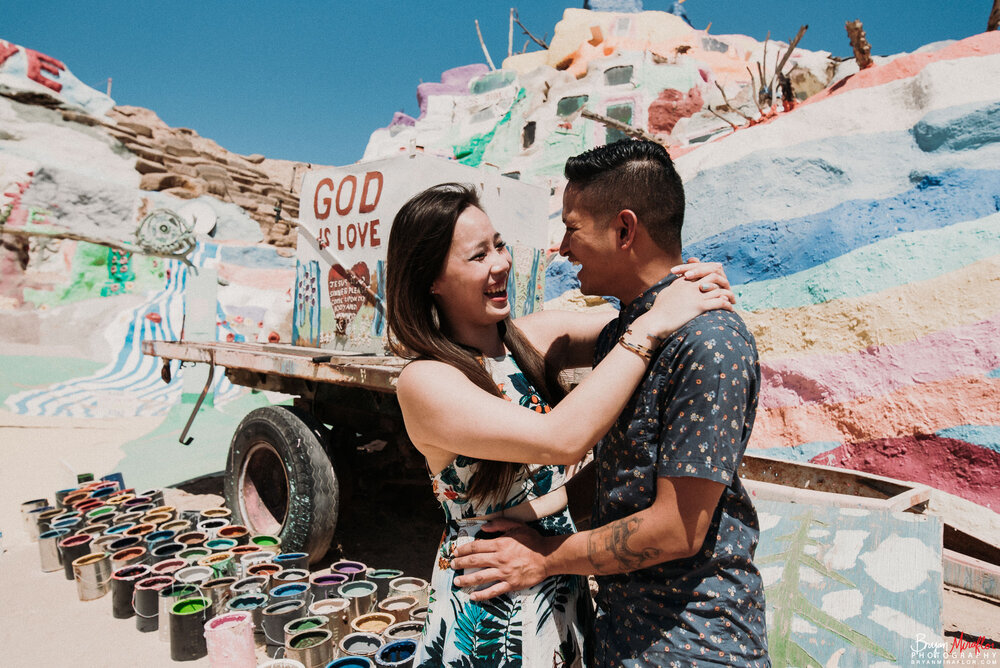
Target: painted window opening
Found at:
513, 175
619, 112
528, 134
618, 76
568, 106
623, 25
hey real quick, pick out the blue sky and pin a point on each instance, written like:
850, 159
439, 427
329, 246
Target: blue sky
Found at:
310, 80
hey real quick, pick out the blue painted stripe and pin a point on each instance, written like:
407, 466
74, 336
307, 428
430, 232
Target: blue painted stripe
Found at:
985, 436
769, 249
798, 453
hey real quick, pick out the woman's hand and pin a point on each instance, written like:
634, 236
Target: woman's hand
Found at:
705, 273
681, 301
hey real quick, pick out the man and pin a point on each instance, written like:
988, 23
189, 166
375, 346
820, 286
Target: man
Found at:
674, 530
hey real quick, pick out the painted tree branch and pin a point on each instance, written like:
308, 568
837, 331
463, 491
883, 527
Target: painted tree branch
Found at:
994, 21
124, 247
784, 59
630, 130
729, 104
859, 42
721, 117
528, 32
486, 52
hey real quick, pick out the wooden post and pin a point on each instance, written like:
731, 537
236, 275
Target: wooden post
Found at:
859, 42
994, 20
486, 52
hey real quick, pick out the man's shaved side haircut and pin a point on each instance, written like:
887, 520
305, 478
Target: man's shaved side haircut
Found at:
636, 175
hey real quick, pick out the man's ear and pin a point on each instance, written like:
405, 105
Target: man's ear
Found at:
626, 225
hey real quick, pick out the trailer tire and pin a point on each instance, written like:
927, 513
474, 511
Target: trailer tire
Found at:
280, 480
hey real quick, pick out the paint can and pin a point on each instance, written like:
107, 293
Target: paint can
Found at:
254, 584
229, 641
217, 512
314, 648
177, 526
168, 567
73, 547
403, 630
418, 588
216, 590
153, 496
360, 644
351, 662
211, 526
168, 510
146, 602
275, 616
361, 594
158, 536
295, 591
398, 606
95, 531
48, 549
71, 523
382, 577
31, 521
220, 544
290, 575
156, 518
293, 560
354, 570
305, 624
128, 517
236, 532
118, 530
192, 538
334, 609
45, 519
102, 542
325, 585
419, 614
252, 603
193, 555
165, 601
140, 530
101, 513
267, 542
269, 570
398, 654
122, 588
373, 622
61, 495
188, 617
248, 560
194, 574
70, 498
166, 550
92, 573
221, 563
127, 557
241, 550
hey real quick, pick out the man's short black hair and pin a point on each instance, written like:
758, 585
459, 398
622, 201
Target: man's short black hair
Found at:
637, 175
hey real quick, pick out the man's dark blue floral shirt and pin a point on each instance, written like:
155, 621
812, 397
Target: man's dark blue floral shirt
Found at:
690, 416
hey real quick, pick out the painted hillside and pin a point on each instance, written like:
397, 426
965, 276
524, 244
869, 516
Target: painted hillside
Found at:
858, 219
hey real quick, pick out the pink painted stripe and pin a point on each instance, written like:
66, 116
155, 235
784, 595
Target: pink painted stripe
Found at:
983, 44
971, 350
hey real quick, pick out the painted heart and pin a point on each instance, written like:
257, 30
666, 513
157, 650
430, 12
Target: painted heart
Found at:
346, 296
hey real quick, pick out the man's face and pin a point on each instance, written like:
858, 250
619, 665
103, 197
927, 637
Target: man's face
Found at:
590, 242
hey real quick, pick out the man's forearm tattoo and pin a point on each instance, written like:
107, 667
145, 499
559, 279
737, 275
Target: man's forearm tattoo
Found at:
609, 551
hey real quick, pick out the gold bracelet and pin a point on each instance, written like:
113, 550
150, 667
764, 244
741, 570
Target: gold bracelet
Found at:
642, 351
654, 337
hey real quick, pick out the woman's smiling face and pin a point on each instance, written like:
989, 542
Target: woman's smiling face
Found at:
471, 291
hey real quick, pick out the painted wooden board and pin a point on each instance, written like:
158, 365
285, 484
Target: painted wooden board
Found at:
851, 587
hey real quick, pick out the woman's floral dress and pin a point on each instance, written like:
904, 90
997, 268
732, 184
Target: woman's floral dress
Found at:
542, 626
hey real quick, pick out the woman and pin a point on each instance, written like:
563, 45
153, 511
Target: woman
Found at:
463, 400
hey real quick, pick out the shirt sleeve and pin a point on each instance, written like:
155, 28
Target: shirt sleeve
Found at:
708, 392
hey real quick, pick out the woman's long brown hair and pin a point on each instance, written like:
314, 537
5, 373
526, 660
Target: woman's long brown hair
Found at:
418, 247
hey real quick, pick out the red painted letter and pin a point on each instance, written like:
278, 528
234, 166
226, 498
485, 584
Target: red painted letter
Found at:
39, 62
325, 213
375, 241
365, 206
343, 210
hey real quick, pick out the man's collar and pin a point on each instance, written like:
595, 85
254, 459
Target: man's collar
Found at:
643, 302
